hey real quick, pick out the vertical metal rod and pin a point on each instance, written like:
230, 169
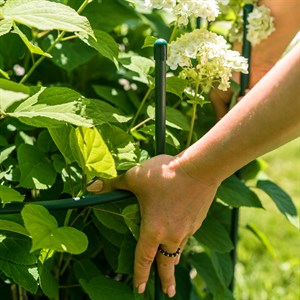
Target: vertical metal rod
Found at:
160, 56
244, 83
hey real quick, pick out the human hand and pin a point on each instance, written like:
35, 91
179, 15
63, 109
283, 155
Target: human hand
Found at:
173, 206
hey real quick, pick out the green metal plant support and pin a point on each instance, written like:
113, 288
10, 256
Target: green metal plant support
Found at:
244, 84
160, 56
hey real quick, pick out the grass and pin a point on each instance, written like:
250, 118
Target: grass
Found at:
259, 275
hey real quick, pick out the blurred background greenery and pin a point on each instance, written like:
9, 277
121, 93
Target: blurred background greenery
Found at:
262, 274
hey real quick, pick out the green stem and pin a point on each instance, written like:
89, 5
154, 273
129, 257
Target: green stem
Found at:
140, 107
173, 32
58, 39
194, 112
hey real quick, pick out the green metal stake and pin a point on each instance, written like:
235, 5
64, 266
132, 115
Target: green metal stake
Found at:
244, 83
160, 56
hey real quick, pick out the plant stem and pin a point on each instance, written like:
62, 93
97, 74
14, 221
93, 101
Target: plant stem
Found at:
173, 32
140, 107
58, 39
194, 111
41, 59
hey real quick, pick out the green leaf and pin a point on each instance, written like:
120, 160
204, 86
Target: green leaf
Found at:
114, 96
141, 65
53, 107
131, 215
60, 135
282, 200
235, 193
91, 152
13, 227
5, 26
110, 215
15, 247
47, 281
104, 44
174, 118
126, 255
205, 268
103, 288
4, 154
31, 47
36, 170
45, 232
176, 85
25, 276
69, 54
214, 235
10, 93
85, 269
262, 238
8, 195
222, 263
149, 41
101, 112
46, 15
121, 145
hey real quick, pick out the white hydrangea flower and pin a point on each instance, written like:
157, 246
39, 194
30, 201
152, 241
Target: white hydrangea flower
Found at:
184, 9
261, 24
205, 57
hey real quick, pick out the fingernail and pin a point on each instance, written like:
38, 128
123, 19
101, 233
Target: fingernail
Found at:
171, 291
141, 288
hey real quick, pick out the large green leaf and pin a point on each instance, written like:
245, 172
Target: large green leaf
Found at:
45, 232
46, 15
60, 135
53, 107
24, 276
131, 215
282, 200
103, 288
8, 195
176, 85
47, 281
10, 93
110, 215
174, 118
13, 227
102, 112
235, 193
91, 152
222, 263
204, 267
15, 247
104, 44
36, 170
214, 235
121, 145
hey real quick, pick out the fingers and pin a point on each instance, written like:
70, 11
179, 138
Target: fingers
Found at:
145, 253
107, 185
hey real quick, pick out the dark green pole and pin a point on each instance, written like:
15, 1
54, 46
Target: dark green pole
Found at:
244, 83
160, 56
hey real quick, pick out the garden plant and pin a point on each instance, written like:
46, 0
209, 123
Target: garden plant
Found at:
76, 103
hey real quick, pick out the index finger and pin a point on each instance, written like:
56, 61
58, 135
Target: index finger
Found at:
145, 252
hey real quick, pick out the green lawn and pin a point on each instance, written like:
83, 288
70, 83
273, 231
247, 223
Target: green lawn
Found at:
259, 275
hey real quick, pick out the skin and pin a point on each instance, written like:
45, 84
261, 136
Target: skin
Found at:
267, 117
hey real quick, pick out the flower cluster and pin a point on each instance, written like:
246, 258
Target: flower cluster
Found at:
260, 24
205, 58
184, 9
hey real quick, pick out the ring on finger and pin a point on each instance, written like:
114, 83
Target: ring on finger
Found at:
168, 254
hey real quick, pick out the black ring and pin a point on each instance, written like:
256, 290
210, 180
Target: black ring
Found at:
165, 253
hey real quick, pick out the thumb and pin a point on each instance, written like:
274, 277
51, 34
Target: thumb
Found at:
101, 185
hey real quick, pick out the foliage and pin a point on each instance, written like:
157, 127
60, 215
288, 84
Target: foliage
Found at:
76, 102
